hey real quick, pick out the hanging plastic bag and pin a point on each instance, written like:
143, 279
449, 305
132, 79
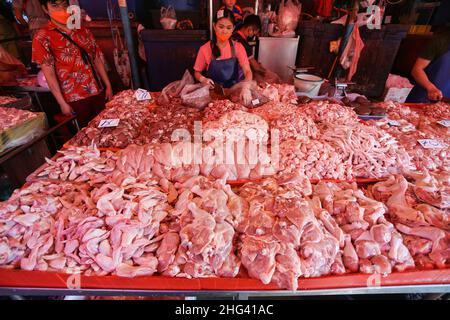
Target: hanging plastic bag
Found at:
173, 89
196, 95
288, 16
168, 18
120, 53
141, 47
121, 60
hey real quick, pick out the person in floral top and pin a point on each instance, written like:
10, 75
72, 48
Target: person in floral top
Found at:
72, 64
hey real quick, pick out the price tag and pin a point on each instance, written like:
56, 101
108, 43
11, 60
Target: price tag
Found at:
142, 95
445, 123
394, 123
431, 144
109, 123
255, 102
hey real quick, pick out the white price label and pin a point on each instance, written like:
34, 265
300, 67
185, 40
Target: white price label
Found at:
255, 102
394, 123
142, 95
445, 123
109, 123
431, 144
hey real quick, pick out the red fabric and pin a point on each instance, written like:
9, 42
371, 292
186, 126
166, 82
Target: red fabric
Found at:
324, 7
87, 109
74, 75
352, 52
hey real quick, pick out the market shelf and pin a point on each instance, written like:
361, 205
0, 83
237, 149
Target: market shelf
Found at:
18, 282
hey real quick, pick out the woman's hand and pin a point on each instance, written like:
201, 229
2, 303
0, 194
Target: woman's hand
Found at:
246, 96
108, 93
66, 109
434, 94
207, 81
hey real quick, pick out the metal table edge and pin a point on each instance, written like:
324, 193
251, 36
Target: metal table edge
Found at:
8, 291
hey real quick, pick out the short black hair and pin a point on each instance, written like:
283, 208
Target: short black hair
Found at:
224, 13
45, 2
252, 21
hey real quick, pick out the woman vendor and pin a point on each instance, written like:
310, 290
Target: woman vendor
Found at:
432, 71
222, 60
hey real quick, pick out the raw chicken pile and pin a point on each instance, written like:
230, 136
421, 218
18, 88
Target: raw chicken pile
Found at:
72, 228
11, 117
127, 98
437, 111
426, 228
432, 128
432, 187
274, 230
313, 158
7, 100
371, 152
283, 93
397, 111
412, 127
180, 161
295, 126
78, 164
127, 131
274, 110
281, 237
239, 124
128, 227
218, 108
369, 242
159, 207
323, 112
161, 122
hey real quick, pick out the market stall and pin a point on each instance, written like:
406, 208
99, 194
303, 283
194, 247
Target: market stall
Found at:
286, 190
380, 251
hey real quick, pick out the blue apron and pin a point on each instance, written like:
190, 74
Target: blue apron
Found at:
438, 72
225, 72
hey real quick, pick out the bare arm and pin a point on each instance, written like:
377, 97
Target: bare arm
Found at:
53, 84
200, 78
247, 72
99, 65
418, 73
256, 66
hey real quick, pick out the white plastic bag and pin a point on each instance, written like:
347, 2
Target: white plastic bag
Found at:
168, 18
288, 16
196, 95
173, 89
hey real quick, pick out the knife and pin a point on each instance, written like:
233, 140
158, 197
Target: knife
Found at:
218, 89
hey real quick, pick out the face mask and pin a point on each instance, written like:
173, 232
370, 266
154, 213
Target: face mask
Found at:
223, 38
60, 16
